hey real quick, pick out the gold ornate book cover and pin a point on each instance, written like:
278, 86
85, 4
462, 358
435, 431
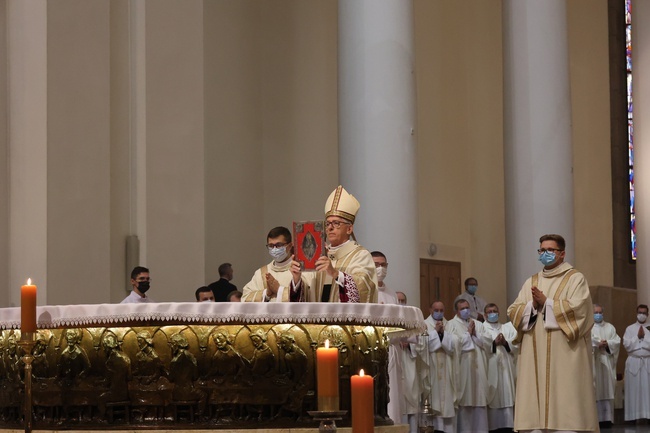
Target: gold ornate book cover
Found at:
308, 242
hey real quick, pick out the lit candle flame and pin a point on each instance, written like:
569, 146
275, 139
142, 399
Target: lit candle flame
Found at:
327, 344
29, 281
361, 373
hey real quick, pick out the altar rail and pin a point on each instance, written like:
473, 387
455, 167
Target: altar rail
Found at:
224, 365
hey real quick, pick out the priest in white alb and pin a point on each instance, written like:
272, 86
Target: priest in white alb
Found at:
605, 345
471, 376
637, 366
553, 315
501, 352
440, 386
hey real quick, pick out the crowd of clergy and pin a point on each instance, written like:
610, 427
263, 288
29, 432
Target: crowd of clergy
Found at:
460, 376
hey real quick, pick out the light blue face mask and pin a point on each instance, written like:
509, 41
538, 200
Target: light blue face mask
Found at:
471, 289
493, 317
547, 258
438, 315
465, 313
598, 317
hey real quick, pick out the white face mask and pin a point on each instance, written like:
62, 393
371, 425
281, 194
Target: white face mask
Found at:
381, 273
641, 317
278, 253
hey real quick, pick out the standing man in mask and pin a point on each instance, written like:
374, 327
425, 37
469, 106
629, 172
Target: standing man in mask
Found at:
384, 294
553, 315
140, 281
637, 367
472, 385
605, 344
476, 303
272, 282
501, 351
440, 386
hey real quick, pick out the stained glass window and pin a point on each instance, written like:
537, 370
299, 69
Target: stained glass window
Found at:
630, 122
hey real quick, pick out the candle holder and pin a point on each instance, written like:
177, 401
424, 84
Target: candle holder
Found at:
327, 419
27, 342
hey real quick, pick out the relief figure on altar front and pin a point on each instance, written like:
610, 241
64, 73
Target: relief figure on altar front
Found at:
262, 364
148, 366
227, 363
183, 371
40, 364
294, 369
118, 373
73, 362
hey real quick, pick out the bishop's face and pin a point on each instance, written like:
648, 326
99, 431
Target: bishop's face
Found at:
338, 230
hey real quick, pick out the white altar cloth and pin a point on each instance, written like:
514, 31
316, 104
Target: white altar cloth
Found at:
407, 320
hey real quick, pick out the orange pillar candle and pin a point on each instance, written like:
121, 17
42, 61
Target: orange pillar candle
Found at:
363, 403
327, 374
28, 307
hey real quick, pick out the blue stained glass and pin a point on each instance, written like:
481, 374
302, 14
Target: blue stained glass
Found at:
630, 123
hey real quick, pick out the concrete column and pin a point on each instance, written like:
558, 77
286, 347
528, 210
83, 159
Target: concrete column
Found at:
377, 158
641, 92
27, 132
537, 133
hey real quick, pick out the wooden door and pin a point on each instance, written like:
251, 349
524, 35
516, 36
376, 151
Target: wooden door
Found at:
439, 281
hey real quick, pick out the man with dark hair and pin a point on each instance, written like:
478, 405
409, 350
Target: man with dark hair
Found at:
553, 315
140, 281
272, 282
637, 366
223, 286
204, 294
384, 294
476, 303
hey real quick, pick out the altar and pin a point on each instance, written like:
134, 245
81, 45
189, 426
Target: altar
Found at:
194, 365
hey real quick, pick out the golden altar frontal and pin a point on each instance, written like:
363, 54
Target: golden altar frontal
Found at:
197, 365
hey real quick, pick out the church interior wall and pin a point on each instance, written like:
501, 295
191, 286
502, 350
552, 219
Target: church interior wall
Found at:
242, 135
4, 165
589, 72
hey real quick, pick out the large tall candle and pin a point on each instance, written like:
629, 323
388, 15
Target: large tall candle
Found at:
28, 307
363, 403
327, 374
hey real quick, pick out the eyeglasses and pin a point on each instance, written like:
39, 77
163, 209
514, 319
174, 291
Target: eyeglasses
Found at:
278, 245
550, 250
335, 224
381, 265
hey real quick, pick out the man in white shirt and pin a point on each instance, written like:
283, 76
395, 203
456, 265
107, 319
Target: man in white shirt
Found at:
501, 355
472, 372
440, 387
140, 282
387, 296
637, 367
605, 344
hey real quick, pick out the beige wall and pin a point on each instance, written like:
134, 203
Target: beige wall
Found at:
460, 139
589, 51
4, 166
241, 136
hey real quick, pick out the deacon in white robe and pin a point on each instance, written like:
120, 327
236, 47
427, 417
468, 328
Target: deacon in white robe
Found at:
439, 386
637, 367
472, 370
409, 351
553, 315
501, 352
273, 282
387, 296
605, 345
